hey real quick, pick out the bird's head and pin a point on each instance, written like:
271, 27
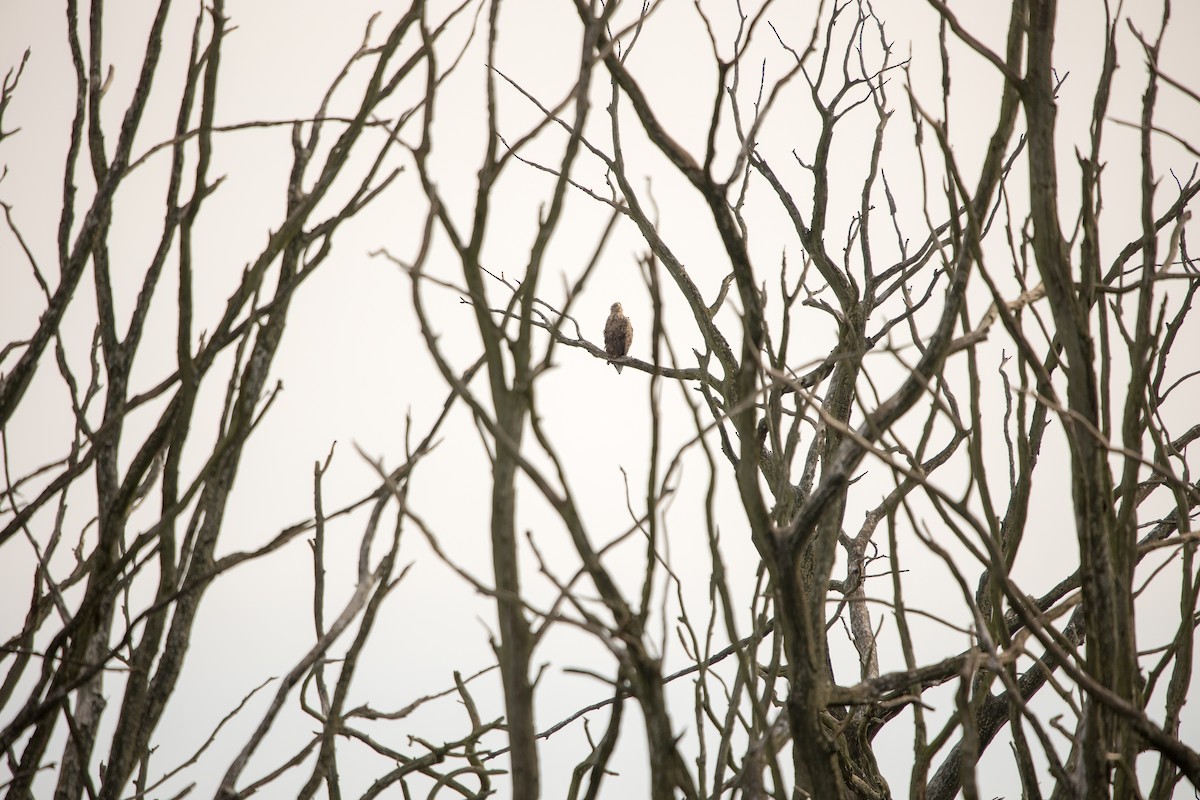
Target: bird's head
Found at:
616, 308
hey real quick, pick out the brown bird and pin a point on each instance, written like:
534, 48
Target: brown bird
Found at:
618, 334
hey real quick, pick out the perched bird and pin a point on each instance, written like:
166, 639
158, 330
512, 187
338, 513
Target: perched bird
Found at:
618, 334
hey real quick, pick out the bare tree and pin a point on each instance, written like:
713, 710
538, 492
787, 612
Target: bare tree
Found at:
896, 376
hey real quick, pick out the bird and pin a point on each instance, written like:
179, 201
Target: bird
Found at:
618, 334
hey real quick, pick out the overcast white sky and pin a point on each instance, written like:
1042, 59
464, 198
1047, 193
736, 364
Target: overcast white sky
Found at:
354, 369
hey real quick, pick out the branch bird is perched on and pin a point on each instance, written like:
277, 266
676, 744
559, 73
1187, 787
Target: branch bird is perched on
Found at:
618, 334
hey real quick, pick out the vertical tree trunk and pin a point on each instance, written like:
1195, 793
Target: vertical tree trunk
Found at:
1107, 577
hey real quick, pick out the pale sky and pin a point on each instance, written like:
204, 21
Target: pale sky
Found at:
354, 368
